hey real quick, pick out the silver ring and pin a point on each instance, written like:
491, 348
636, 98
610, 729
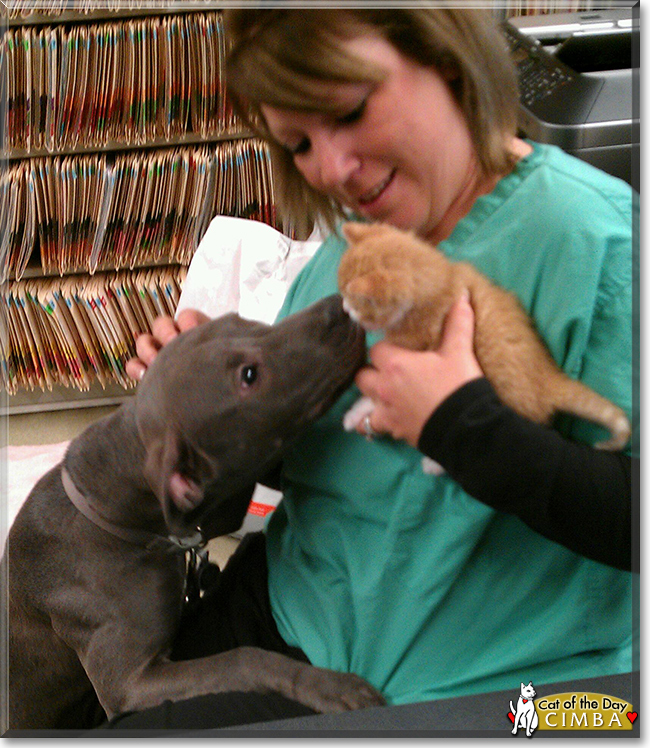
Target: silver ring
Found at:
368, 429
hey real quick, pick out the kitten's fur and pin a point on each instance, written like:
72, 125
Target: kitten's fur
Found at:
393, 281
525, 714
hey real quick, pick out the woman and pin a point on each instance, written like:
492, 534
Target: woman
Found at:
435, 587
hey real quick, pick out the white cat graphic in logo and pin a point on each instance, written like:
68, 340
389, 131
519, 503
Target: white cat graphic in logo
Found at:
525, 715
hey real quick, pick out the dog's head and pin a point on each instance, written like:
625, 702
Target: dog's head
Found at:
220, 403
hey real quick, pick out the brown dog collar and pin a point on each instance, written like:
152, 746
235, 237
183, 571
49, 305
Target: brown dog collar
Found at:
145, 539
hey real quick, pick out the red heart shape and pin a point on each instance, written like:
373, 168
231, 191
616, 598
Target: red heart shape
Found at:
511, 717
632, 716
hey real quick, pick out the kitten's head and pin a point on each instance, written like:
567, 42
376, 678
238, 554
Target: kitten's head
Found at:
528, 692
374, 302
377, 290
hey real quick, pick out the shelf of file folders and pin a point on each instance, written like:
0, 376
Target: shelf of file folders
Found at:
119, 147
40, 11
76, 331
86, 214
99, 211
131, 81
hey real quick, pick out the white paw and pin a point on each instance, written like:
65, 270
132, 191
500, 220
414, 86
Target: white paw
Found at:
431, 467
351, 311
362, 408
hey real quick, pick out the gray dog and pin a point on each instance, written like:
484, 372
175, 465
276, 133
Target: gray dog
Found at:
96, 554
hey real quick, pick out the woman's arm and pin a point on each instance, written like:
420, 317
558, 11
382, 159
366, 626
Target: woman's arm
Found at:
564, 490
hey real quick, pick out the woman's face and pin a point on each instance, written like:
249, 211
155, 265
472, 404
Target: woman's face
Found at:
400, 153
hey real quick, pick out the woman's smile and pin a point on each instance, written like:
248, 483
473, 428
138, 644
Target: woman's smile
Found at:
372, 198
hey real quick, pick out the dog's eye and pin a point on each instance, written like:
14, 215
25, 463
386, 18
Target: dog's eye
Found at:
248, 375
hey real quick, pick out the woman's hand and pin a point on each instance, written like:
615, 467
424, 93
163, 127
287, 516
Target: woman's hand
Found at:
407, 386
163, 330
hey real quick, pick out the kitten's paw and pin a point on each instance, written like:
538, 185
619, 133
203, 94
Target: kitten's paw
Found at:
362, 408
351, 311
431, 467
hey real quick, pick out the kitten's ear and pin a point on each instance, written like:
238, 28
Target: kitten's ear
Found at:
354, 231
522, 685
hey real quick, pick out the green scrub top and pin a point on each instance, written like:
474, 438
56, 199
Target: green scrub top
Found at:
403, 578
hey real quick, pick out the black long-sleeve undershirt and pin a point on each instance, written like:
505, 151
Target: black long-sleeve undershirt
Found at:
566, 491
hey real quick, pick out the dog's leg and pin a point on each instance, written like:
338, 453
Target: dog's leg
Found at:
241, 669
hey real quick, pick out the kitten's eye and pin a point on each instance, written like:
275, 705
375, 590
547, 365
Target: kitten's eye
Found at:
248, 375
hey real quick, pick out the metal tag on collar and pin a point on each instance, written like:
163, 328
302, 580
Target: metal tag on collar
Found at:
197, 568
196, 540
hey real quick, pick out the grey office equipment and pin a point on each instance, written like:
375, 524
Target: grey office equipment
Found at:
578, 73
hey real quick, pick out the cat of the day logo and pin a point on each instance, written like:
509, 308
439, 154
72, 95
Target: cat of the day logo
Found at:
569, 711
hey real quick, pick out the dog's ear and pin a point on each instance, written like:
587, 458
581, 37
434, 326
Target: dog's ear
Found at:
175, 472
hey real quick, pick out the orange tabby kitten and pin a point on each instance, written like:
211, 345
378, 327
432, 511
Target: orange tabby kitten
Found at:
393, 281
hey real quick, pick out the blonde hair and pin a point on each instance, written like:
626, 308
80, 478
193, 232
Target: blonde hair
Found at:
275, 57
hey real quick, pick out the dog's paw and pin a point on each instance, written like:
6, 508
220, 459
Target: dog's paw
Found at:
328, 691
362, 408
431, 467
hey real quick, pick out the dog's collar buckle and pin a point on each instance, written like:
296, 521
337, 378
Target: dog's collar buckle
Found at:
195, 540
